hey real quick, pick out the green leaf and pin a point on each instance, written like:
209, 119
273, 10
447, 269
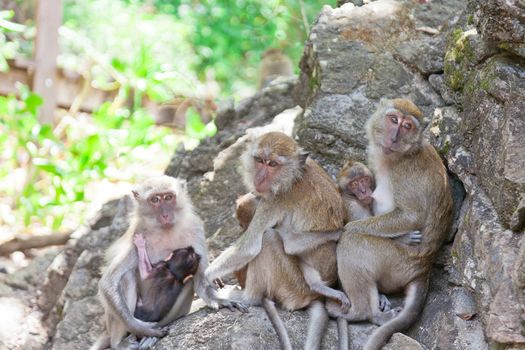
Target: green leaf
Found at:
33, 102
47, 166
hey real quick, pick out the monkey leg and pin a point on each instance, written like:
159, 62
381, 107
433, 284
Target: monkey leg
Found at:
316, 325
342, 330
313, 279
102, 343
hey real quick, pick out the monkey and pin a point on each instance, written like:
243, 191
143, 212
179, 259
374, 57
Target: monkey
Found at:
356, 184
162, 282
289, 245
244, 210
164, 215
275, 63
412, 193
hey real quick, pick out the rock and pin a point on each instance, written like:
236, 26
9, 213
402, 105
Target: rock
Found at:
501, 22
493, 126
354, 57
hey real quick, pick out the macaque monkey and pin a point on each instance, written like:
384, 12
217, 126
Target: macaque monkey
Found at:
288, 247
164, 216
412, 193
161, 283
356, 184
275, 63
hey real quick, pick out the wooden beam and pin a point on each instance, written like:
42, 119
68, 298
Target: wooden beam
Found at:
49, 18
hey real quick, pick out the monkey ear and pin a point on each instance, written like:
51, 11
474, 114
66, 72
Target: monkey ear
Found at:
135, 194
302, 157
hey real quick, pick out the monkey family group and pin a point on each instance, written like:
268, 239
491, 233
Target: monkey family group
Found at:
374, 231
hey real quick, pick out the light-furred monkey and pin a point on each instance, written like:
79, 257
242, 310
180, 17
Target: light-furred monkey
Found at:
164, 216
412, 193
289, 244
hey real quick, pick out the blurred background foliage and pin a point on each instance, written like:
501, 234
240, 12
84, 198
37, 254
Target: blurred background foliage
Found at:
144, 52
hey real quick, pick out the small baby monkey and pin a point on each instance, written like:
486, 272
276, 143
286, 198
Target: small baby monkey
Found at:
163, 281
356, 184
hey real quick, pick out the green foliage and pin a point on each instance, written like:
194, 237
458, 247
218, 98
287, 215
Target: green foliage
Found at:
8, 48
59, 163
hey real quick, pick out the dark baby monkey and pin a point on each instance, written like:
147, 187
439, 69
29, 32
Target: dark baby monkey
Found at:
163, 281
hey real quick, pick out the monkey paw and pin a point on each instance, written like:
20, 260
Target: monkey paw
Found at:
345, 302
147, 343
142, 328
139, 241
384, 304
233, 305
383, 317
415, 237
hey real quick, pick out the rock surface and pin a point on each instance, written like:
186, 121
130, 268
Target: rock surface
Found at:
462, 63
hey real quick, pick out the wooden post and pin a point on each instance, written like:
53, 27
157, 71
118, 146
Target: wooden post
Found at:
49, 18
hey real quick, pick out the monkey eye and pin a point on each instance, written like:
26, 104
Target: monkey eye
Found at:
407, 125
258, 159
272, 163
168, 197
393, 118
154, 200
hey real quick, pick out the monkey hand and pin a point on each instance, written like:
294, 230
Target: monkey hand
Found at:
345, 302
410, 238
232, 305
139, 241
145, 329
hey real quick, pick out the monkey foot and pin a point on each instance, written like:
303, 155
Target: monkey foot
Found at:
233, 305
147, 343
384, 304
383, 317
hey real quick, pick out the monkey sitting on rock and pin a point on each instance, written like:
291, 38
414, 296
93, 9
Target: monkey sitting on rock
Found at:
412, 193
162, 282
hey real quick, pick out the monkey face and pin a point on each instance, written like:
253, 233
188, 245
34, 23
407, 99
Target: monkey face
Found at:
163, 205
361, 187
399, 132
183, 262
273, 163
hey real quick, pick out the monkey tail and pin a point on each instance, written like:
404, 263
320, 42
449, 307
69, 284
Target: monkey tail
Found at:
415, 300
278, 324
342, 329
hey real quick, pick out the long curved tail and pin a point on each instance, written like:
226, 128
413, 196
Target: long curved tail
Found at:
415, 300
278, 324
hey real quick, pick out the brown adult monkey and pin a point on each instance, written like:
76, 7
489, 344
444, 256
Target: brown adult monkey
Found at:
275, 63
412, 193
164, 215
287, 248
163, 281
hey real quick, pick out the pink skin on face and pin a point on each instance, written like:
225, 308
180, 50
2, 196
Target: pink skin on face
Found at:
265, 172
397, 126
362, 189
164, 204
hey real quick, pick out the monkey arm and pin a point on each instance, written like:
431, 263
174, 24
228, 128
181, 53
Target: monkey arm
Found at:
246, 247
389, 225
296, 243
144, 263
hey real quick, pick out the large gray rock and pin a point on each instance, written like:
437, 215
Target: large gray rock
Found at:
501, 22
357, 55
